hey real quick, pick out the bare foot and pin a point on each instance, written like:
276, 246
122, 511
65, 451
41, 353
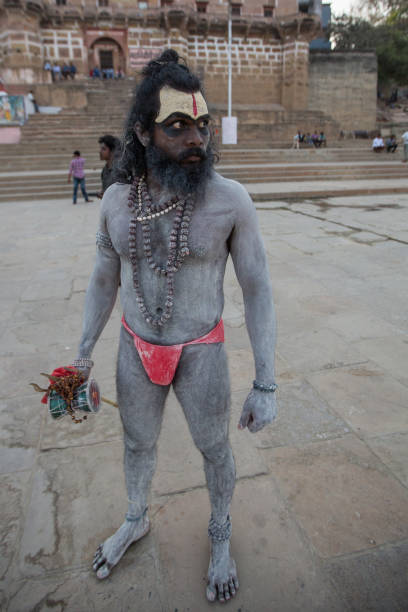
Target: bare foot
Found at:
112, 550
222, 573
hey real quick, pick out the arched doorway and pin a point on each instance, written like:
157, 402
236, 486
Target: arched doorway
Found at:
106, 54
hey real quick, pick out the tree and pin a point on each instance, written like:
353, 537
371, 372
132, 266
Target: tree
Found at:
387, 36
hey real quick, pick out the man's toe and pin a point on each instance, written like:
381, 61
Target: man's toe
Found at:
227, 592
98, 563
231, 587
104, 571
220, 588
211, 593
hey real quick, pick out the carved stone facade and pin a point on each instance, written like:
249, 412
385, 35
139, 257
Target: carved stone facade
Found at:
274, 75
270, 43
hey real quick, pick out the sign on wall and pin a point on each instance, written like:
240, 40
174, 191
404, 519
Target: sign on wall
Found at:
11, 109
140, 56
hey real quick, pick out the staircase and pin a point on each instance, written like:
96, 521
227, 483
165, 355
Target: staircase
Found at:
37, 168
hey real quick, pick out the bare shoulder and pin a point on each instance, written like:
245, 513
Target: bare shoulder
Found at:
231, 194
114, 199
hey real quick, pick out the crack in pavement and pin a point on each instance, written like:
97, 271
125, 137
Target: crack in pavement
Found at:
339, 223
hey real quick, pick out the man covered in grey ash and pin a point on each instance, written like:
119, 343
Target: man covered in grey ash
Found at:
167, 227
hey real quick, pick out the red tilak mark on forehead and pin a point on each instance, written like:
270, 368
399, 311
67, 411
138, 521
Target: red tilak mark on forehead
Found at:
194, 106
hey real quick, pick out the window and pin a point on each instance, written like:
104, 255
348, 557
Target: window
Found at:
235, 10
143, 5
60, 2
103, 2
201, 7
268, 11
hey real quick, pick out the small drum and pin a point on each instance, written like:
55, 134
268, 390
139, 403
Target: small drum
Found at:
86, 398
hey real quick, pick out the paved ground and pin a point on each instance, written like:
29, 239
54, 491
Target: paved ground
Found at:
320, 514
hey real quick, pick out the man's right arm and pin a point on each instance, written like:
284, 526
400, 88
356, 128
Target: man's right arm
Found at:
101, 293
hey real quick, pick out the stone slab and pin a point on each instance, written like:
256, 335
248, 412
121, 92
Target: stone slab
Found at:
364, 212
302, 417
78, 499
375, 581
18, 371
333, 490
390, 352
312, 350
276, 568
12, 497
135, 586
360, 324
368, 399
20, 427
393, 451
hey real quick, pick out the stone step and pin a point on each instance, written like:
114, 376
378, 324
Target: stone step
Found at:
351, 180
261, 175
60, 161
346, 190
305, 194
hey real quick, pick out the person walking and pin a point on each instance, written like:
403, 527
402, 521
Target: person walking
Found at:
76, 170
405, 144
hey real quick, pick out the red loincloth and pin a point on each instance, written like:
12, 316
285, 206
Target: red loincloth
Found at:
159, 361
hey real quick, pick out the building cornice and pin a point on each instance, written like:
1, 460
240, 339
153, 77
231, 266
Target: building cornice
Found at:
180, 17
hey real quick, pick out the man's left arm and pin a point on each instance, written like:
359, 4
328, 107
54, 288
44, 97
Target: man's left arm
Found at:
251, 267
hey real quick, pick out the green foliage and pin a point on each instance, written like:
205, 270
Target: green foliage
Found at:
388, 37
391, 11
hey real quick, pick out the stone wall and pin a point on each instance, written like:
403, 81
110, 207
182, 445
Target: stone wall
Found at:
344, 85
64, 45
265, 71
21, 54
256, 68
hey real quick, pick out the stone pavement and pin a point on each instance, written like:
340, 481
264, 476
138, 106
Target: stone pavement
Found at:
320, 513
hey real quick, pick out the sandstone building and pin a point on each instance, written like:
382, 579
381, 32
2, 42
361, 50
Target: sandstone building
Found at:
270, 48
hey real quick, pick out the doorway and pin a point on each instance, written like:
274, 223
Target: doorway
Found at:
107, 55
105, 59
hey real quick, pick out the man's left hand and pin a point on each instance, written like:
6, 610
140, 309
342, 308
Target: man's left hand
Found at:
259, 409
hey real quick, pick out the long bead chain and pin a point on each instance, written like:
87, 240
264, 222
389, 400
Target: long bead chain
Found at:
178, 238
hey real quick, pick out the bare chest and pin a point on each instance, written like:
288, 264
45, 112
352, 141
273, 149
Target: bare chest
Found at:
206, 233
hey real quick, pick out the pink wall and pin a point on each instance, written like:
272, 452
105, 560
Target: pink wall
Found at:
10, 135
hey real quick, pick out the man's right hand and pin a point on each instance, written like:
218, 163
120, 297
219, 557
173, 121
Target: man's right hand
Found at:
85, 372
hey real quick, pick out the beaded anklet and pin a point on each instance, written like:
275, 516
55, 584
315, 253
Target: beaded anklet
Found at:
217, 532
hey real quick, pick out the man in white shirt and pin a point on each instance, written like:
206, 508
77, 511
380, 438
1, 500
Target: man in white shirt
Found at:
378, 144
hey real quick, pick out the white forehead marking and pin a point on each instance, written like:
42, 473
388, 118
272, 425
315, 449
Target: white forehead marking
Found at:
175, 101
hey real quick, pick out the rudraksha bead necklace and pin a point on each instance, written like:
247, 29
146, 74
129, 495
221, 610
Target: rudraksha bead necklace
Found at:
178, 249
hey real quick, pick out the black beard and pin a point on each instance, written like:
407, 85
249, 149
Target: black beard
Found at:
178, 179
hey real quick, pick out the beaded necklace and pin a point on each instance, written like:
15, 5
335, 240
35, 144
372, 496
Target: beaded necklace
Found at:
178, 249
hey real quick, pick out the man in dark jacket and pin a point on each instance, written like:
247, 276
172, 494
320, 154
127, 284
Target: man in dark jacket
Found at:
109, 144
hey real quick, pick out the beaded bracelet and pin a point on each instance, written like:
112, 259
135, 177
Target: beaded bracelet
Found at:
83, 362
265, 388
